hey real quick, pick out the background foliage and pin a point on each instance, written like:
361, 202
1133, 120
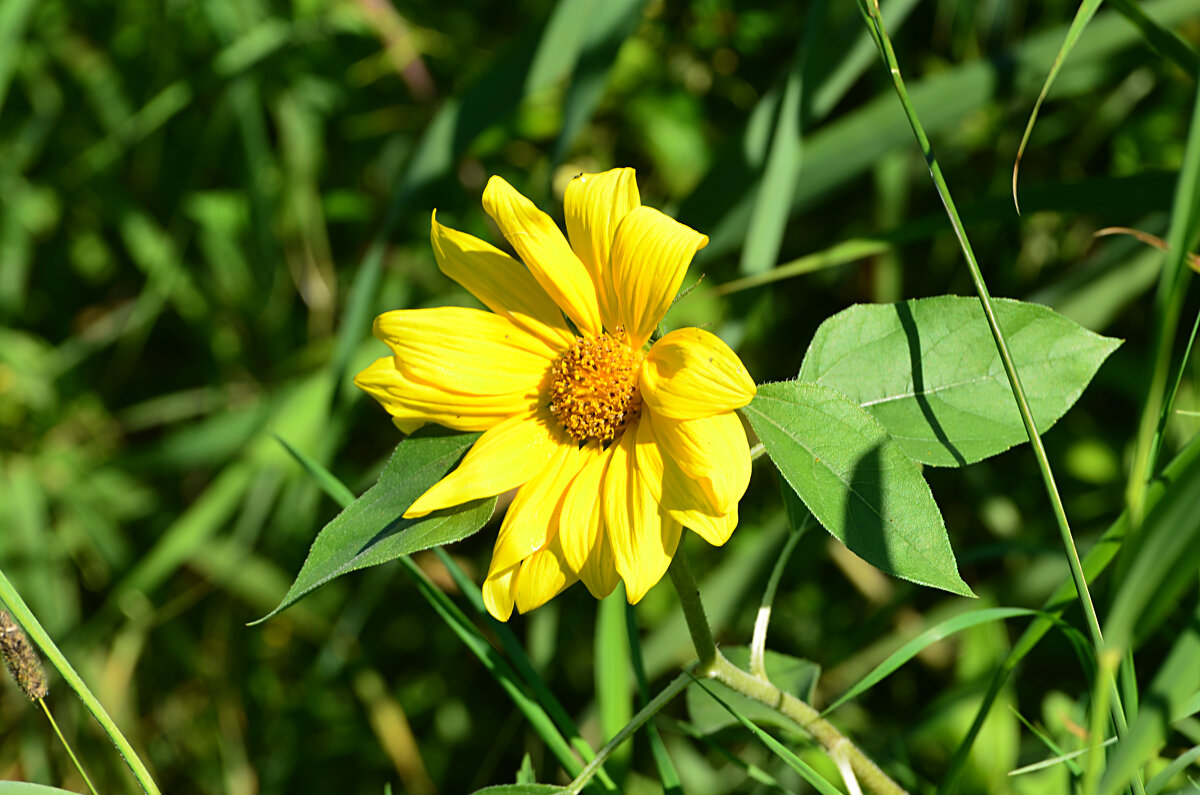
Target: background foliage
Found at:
203, 203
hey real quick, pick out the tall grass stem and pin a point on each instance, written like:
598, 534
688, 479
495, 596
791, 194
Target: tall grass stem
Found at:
883, 42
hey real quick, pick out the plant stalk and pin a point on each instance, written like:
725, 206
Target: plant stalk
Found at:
693, 613
714, 665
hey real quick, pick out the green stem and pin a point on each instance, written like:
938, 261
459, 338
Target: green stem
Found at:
24, 616
693, 612
824, 732
1109, 662
712, 664
758, 642
67, 745
875, 24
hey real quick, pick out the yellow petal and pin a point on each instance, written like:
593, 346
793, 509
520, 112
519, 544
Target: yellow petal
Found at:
581, 528
690, 373
465, 350
681, 497
406, 426
504, 285
667, 483
594, 205
532, 518
413, 403
650, 255
505, 457
544, 250
643, 537
544, 575
500, 591
716, 530
711, 450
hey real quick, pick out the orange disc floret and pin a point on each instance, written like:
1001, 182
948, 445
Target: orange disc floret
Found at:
594, 387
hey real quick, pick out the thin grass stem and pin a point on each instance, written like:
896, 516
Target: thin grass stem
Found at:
883, 42
646, 713
67, 746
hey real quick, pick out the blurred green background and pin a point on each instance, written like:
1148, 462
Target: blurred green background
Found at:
204, 202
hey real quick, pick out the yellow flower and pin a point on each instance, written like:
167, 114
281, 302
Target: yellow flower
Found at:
614, 447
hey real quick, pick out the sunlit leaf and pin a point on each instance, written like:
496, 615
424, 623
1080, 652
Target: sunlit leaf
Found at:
929, 371
856, 481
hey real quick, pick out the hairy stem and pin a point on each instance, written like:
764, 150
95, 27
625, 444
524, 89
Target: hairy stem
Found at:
713, 664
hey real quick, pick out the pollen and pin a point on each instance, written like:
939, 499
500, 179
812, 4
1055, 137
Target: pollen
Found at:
593, 387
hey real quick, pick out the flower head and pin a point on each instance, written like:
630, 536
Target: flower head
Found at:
614, 445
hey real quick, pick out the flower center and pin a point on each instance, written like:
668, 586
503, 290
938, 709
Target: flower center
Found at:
593, 387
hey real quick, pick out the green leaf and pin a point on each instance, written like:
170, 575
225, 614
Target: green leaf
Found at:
372, 531
929, 371
25, 788
789, 674
520, 789
856, 481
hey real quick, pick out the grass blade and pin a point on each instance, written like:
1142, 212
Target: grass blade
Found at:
613, 687
1087, 10
1062, 758
935, 171
758, 644
334, 488
610, 25
814, 778
647, 712
1168, 307
496, 665
1081, 586
925, 639
1155, 785
1095, 563
668, 776
1162, 39
773, 204
1165, 698
472, 637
